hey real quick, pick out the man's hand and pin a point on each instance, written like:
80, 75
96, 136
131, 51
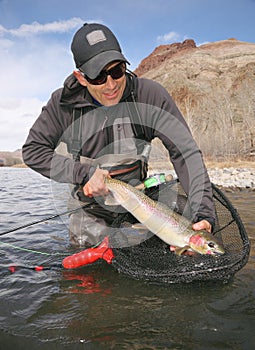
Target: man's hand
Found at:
96, 186
202, 225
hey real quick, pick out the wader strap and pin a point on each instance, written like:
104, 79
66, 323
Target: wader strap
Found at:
76, 133
136, 120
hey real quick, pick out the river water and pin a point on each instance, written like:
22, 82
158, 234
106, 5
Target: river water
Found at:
95, 307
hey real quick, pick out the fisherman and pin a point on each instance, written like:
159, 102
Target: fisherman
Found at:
101, 123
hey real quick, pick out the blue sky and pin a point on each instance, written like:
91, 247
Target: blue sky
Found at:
35, 37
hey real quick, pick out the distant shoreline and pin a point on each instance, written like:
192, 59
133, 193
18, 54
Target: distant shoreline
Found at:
239, 174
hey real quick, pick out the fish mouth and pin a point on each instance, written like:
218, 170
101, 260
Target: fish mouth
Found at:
219, 252
215, 252
206, 251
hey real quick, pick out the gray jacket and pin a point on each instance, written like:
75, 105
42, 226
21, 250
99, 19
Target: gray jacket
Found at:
159, 117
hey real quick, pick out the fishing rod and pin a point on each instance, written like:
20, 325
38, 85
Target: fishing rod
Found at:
151, 181
44, 219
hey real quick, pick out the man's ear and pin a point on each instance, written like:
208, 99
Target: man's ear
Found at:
80, 78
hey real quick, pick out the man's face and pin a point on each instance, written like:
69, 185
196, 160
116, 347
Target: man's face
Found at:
109, 93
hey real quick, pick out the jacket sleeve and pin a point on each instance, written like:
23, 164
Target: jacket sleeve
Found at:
50, 128
170, 127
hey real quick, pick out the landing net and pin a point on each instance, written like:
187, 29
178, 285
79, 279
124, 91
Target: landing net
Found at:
152, 260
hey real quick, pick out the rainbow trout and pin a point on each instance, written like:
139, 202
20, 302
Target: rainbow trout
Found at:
171, 227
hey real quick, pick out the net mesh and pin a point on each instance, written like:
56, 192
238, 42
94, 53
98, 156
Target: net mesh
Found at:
152, 260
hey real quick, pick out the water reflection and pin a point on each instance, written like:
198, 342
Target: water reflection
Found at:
84, 283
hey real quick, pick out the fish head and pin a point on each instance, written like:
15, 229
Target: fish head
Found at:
203, 242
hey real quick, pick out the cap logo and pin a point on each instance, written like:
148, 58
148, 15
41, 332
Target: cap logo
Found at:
95, 37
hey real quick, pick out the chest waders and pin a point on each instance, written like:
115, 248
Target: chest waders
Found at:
128, 160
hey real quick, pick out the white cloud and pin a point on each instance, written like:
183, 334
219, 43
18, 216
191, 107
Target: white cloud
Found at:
203, 43
32, 66
33, 70
38, 28
17, 117
169, 37
5, 44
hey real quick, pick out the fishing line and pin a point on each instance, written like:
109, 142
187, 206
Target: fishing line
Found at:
14, 267
39, 252
37, 268
30, 250
45, 219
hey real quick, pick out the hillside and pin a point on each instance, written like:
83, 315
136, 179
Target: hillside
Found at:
10, 158
213, 86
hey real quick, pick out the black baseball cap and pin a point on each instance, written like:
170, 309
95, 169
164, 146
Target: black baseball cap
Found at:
93, 47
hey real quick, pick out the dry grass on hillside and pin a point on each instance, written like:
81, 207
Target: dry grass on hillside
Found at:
210, 164
239, 163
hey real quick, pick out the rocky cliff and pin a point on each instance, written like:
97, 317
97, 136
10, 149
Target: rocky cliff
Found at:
214, 87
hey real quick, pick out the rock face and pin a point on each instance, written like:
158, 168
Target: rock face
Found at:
163, 53
214, 87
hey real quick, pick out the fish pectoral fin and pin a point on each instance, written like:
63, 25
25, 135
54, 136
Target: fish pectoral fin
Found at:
141, 229
181, 250
110, 200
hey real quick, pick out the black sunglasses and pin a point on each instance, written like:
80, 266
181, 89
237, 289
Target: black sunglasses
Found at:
115, 72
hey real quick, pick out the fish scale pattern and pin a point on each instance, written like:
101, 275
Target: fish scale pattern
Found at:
152, 260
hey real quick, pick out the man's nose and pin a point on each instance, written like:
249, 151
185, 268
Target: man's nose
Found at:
110, 82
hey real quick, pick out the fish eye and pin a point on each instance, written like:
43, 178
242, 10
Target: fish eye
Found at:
211, 245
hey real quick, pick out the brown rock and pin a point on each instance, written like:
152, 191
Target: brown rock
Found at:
213, 85
163, 53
